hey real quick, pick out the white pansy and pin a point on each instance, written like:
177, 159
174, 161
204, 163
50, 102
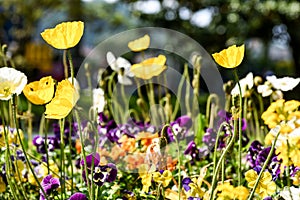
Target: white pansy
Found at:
291, 193
283, 84
246, 83
12, 82
98, 99
121, 66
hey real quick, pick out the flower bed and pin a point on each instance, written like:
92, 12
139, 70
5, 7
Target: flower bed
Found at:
149, 149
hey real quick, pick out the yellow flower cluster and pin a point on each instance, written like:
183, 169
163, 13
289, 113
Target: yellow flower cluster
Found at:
289, 152
266, 187
227, 191
284, 113
12, 136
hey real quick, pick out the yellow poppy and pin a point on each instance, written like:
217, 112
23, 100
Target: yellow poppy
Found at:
40, 92
139, 44
149, 67
65, 35
63, 102
230, 57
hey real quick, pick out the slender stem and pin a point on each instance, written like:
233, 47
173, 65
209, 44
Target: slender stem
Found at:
14, 114
224, 124
179, 91
157, 191
277, 130
214, 180
71, 66
83, 152
62, 158
239, 129
65, 63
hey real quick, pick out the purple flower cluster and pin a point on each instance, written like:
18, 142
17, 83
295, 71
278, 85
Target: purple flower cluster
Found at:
196, 153
209, 138
257, 155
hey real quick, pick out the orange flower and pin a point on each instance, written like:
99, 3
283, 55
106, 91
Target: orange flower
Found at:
127, 143
117, 152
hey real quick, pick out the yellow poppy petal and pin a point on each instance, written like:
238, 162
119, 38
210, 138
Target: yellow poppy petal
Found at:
40, 92
230, 57
149, 68
65, 35
139, 44
63, 102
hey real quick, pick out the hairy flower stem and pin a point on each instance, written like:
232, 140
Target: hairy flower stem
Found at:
239, 128
215, 172
83, 153
71, 66
62, 154
14, 114
217, 168
65, 64
179, 91
277, 130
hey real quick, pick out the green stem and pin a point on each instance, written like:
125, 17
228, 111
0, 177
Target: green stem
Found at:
240, 128
62, 154
157, 191
224, 124
71, 66
216, 171
14, 114
277, 130
65, 64
179, 91
83, 152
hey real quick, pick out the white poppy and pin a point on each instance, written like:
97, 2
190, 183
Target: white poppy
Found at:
246, 84
98, 99
265, 89
121, 66
283, 84
290, 193
12, 82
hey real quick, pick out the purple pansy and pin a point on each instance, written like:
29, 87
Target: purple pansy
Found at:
78, 196
90, 158
106, 173
49, 184
40, 143
185, 183
179, 127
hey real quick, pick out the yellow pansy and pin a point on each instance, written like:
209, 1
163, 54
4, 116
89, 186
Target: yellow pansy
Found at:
149, 67
241, 193
65, 35
63, 102
265, 187
145, 174
230, 57
40, 92
139, 44
163, 178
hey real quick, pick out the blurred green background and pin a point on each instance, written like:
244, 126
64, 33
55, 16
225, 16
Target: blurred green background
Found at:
270, 29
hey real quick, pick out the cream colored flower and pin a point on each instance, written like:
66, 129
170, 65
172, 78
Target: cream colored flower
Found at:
283, 84
245, 83
121, 66
12, 82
